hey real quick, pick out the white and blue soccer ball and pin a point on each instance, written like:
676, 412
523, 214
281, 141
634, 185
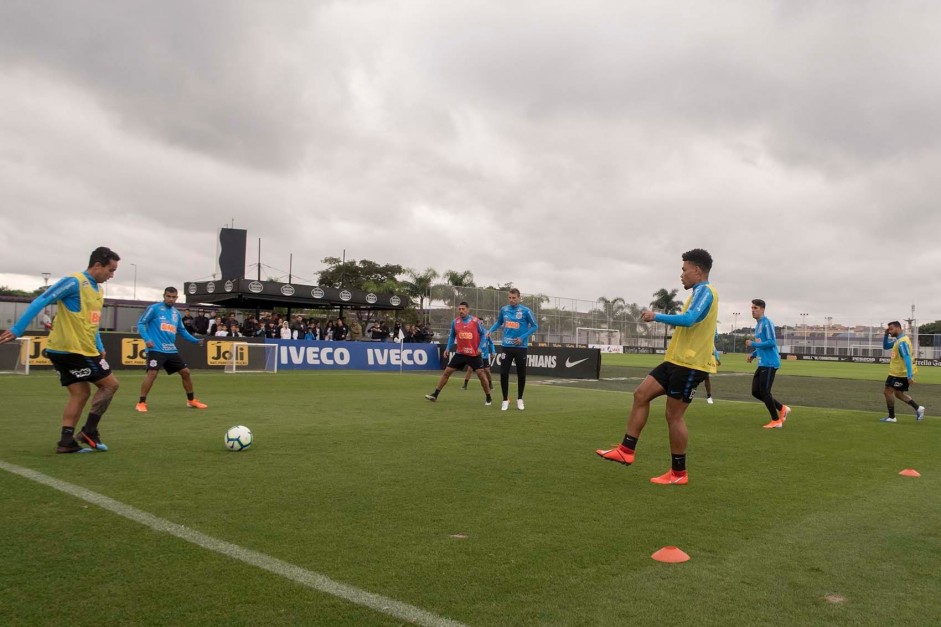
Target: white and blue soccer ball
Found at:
238, 438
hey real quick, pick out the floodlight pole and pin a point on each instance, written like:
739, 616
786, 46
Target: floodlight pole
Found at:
135, 280
735, 316
826, 332
804, 324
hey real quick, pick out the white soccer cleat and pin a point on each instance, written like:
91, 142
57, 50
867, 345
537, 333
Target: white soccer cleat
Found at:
920, 413
505, 405
709, 400
519, 404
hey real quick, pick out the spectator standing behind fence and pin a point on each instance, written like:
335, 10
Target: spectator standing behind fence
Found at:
379, 332
216, 325
201, 324
356, 330
158, 326
340, 330
74, 347
298, 328
188, 321
518, 324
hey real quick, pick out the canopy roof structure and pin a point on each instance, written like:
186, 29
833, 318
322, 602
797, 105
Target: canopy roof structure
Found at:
252, 294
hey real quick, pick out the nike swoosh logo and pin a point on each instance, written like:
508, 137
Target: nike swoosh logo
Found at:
569, 363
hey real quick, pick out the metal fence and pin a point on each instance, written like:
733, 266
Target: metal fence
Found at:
560, 320
574, 321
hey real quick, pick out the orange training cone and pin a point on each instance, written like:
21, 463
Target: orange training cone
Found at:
670, 555
910, 472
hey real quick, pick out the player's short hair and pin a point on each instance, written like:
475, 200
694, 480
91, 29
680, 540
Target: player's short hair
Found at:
513, 290
102, 256
759, 302
463, 302
170, 290
895, 323
699, 258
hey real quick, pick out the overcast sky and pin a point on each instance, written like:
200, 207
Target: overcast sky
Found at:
573, 148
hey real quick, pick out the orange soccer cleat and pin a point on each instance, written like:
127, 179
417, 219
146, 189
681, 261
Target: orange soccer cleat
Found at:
141, 407
621, 454
775, 424
671, 478
195, 404
784, 413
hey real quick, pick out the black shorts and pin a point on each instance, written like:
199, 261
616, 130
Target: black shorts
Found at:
458, 361
171, 362
679, 382
899, 384
75, 368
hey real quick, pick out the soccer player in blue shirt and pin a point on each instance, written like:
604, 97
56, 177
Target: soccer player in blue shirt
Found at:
518, 324
159, 326
75, 349
766, 350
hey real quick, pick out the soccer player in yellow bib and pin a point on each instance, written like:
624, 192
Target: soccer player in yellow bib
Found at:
75, 348
690, 357
901, 371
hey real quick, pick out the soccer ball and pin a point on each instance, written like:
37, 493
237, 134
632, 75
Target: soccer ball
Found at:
238, 438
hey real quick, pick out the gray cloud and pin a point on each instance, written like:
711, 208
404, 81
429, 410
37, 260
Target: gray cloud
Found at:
575, 151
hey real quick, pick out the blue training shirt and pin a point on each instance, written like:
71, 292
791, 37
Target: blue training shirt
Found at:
517, 322
66, 291
766, 344
487, 348
160, 324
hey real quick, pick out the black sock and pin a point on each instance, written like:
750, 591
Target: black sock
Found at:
678, 462
68, 436
436, 393
891, 411
489, 400
913, 404
190, 396
143, 399
629, 442
91, 423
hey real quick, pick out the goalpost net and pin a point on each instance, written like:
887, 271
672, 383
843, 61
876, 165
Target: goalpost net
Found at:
592, 336
14, 356
247, 357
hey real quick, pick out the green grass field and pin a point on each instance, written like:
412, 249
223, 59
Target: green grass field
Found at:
480, 516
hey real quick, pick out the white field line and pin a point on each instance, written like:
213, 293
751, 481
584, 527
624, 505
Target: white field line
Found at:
307, 578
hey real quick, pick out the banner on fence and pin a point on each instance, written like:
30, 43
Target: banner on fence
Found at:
318, 355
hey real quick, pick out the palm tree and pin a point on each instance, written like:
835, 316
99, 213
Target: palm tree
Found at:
664, 302
420, 286
454, 280
631, 313
612, 308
